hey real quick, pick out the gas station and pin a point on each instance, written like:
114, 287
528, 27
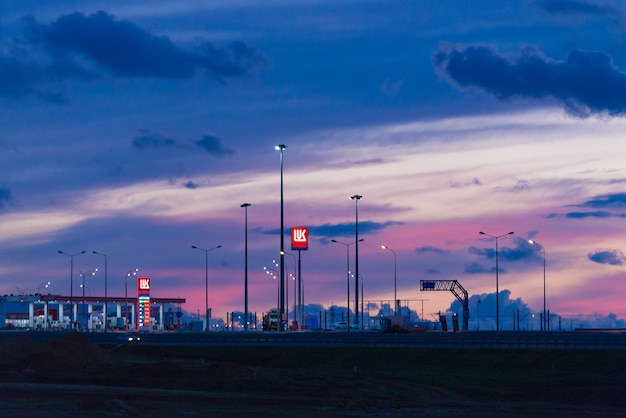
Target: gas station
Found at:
92, 313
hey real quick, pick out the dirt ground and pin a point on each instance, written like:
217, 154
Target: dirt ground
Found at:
72, 376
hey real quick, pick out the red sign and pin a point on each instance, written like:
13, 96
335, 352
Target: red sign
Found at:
143, 302
143, 283
299, 238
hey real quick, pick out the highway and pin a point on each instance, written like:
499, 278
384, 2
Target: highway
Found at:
573, 340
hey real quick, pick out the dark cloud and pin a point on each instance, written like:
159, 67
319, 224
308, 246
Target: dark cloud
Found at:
607, 205
147, 139
595, 214
531, 74
522, 251
213, 146
6, 198
95, 46
431, 249
432, 272
615, 200
191, 185
572, 7
613, 257
323, 232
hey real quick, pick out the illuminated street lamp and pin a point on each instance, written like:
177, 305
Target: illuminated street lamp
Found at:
71, 256
245, 281
275, 275
206, 279
82, 275
106, 306
128, 274
497, 269
347, 245
294, 284
281, 284
395, 281
44, 285
356, 199
544, 320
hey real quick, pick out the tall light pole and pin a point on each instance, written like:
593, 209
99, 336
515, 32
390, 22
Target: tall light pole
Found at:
71, 256
395, 280
497, 270
356, 199
245, 206
206, 280
281, 307
128, 274
347, 245
106, 307
544, 321
88, 273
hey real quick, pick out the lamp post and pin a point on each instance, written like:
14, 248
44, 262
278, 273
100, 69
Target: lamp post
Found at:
274, 274
395, 281
71, 256
294, 283
206, 280
106, 306
128, 274
44, 285
356, 199
82, 275
544, 319
496, 237
281, 307
347, 245
245, 280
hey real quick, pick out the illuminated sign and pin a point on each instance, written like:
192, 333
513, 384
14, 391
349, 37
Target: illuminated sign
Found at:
143, 302
299, 238
144, 283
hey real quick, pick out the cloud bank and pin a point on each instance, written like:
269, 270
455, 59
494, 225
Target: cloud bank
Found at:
530, 74
97, 46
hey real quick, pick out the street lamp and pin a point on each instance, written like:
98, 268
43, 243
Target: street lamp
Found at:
356, 199
88, 289
245, 280
281, 307
44, 285
206, 279
71, 256
294, 283
544, 320
82, 275
106, 306
497, 270
274, 274
395, 281
347, 245
128, 274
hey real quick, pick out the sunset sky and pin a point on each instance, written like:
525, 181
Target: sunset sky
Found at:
137, 129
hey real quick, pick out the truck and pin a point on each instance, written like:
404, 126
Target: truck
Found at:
270, 321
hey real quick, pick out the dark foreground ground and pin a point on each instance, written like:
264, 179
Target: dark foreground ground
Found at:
72, 377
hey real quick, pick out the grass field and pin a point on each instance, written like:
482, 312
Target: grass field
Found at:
323, 382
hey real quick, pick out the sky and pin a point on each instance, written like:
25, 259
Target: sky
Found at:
137, 129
